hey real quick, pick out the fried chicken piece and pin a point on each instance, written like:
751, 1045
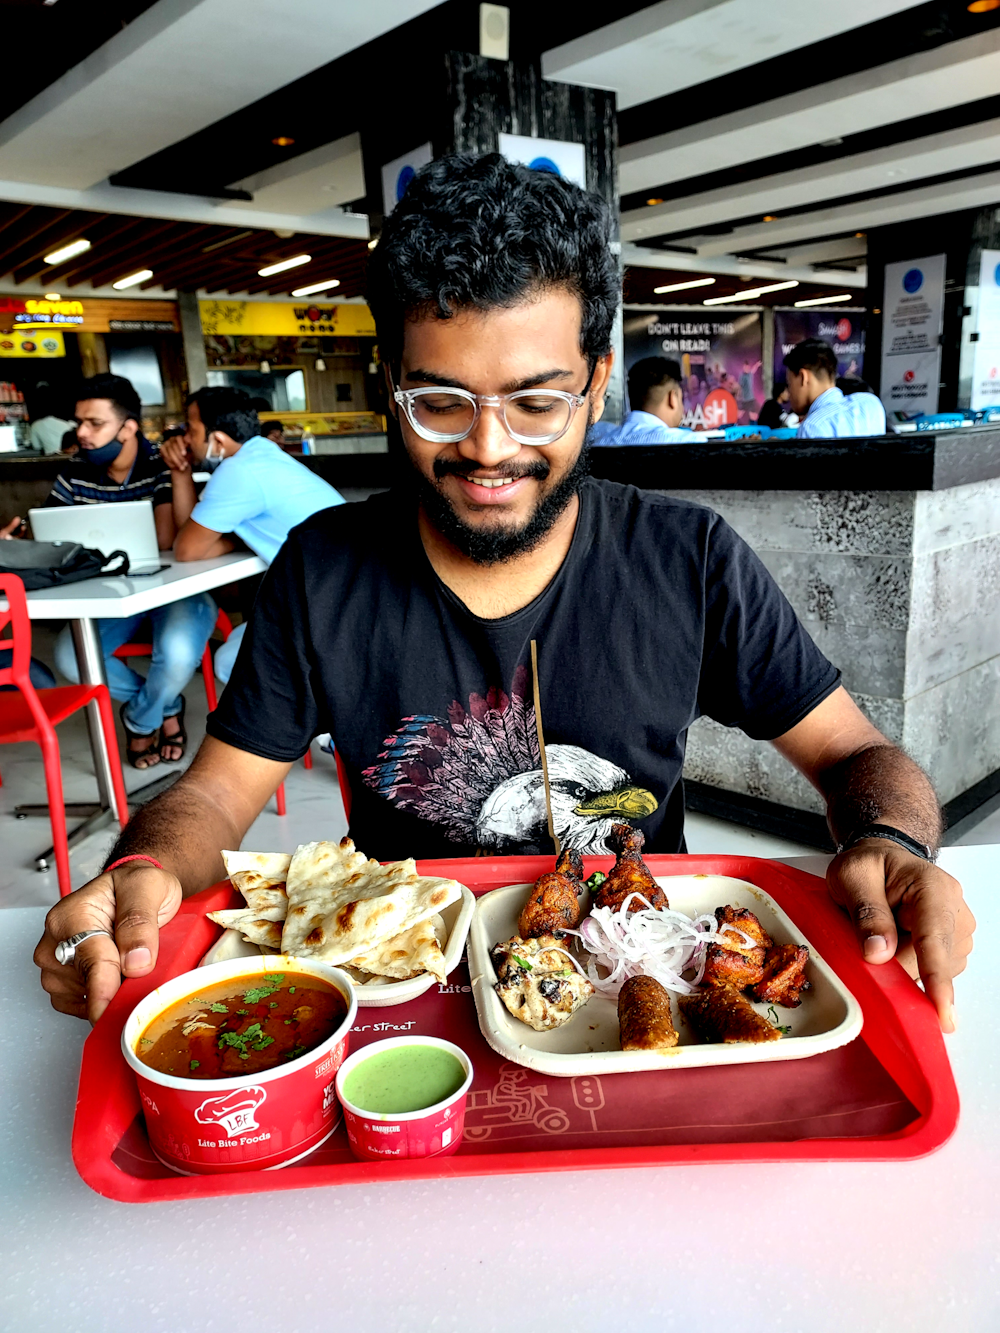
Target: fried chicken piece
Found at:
553, 904
733, 967
748, 923
784, 976
644, 1018
721, 1013
630, 874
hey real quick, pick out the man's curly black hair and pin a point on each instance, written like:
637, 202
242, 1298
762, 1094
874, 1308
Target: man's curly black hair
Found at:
483, 233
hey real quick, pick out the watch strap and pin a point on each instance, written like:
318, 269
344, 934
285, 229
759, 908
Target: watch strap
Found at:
890, 834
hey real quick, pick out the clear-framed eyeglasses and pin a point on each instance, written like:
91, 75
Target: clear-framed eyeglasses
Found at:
529, 416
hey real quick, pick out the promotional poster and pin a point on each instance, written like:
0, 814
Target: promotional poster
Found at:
844, 330
986, 364
719, 357
911, 336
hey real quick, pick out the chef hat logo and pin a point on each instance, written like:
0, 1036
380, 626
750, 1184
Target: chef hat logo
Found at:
234, 1111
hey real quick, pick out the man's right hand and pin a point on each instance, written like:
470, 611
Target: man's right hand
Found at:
133, 902
176, 454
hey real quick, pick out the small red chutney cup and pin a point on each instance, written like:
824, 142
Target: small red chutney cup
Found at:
253, 1122
435, 1131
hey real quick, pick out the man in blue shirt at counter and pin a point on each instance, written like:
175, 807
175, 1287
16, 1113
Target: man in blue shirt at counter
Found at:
256, 491
654, 390
825, 411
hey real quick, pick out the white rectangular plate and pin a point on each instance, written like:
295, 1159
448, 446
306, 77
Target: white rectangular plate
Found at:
828, 1017
457, 918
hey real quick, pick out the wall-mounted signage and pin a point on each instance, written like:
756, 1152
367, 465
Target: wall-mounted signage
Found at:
912, 321
844, 330
719, 361
96, 315
397, 174
283, 319
554, 155
986, 361
35, 345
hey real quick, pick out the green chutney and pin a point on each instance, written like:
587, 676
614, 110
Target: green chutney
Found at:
404, 1078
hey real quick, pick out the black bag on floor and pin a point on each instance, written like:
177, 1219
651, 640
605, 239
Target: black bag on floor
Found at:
51, 564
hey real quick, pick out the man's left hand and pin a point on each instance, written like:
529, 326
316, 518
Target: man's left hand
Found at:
906, 908
176, 454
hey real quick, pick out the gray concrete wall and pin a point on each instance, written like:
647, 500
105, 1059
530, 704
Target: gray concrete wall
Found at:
901, 590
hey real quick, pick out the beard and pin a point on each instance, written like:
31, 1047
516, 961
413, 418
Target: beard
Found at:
498, 543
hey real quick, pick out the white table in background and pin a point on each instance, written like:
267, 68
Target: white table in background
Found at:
115, 598
811, 1247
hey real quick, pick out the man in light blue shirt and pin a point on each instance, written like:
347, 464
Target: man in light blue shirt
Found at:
256, 491
657, 399
825, 411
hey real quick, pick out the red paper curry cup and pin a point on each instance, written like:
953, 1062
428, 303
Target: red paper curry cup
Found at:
253, 1122
435, 1131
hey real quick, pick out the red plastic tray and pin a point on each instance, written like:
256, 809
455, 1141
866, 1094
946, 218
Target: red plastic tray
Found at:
899, 1058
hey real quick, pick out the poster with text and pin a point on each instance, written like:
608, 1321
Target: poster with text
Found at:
719, 357
986, 361
844, 330
912, 320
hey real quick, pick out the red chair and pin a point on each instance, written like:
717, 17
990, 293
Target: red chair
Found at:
225, 627
32, 715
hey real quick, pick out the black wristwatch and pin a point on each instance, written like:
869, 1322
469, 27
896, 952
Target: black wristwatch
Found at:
891, 835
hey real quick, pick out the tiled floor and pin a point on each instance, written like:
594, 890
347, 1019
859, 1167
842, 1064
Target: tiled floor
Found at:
314, 811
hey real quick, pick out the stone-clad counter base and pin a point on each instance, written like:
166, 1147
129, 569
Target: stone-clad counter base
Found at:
901, 590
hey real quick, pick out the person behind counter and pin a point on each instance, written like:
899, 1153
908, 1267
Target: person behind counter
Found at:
116, 462
657, 398
777, 412
827, 411
404, 625
256, 491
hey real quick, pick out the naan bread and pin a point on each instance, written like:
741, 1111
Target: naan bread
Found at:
340, 904
416, 950
255, 929
260, 878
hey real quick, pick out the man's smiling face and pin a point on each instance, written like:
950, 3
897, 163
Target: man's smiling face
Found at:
490, 496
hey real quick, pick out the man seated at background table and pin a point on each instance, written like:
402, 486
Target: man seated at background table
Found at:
825, 410
403, 626
116, 462
256, 491
657, 399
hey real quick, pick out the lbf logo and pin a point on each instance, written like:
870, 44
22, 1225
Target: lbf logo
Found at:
234, 1111
913, 280
909, 377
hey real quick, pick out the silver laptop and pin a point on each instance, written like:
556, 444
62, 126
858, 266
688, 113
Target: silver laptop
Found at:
126, 526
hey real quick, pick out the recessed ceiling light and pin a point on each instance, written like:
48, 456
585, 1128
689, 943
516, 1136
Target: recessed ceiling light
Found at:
683, 286
294, 262
372, 243
68, 251
751, 293
132, 279
824, 300
982, 6
282, 141
769, 217
316, 287
53, 296
650, 202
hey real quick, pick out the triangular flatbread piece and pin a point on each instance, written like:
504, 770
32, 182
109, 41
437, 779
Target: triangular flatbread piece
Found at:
260, 878
340, 904
257, 929
416, 950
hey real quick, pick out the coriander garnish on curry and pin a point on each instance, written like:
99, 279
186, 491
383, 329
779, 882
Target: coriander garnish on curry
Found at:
243, 1025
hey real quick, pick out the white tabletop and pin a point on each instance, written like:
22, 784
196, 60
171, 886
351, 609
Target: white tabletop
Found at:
817, 1247
117, 597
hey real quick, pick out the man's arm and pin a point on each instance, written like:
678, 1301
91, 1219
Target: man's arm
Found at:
210, 807
194, 542
165, 530
887, 890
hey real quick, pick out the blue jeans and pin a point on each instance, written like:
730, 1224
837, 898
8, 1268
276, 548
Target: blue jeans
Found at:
180, 632
38, 673
225, 657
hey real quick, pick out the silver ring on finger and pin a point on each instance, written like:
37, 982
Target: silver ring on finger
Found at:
66, 949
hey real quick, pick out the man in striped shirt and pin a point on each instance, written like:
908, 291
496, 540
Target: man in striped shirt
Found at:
116, 462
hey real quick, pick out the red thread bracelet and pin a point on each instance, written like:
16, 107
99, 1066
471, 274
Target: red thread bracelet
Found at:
137, 856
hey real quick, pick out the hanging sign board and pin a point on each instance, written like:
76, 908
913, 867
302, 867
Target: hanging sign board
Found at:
986, 361
283, 319
912, 321
554, 155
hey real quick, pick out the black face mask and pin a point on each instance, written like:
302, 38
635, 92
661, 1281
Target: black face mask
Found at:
104, 456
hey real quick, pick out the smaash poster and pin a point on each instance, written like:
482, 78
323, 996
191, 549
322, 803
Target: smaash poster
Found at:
719, 357
844, 330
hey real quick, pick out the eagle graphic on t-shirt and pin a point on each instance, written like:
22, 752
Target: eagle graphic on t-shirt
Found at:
477, 775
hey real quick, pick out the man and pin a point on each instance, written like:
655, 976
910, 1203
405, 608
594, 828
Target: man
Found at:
403, 626
255, 491
116, 462
657, 399
825, 411
777, 413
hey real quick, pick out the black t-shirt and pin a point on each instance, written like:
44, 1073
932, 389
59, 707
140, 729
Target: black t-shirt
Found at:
660, 613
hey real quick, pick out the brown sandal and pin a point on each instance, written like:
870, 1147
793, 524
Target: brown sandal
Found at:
151, 753
179, 738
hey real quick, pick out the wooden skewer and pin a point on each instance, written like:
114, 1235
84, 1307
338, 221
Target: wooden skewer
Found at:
541, 745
